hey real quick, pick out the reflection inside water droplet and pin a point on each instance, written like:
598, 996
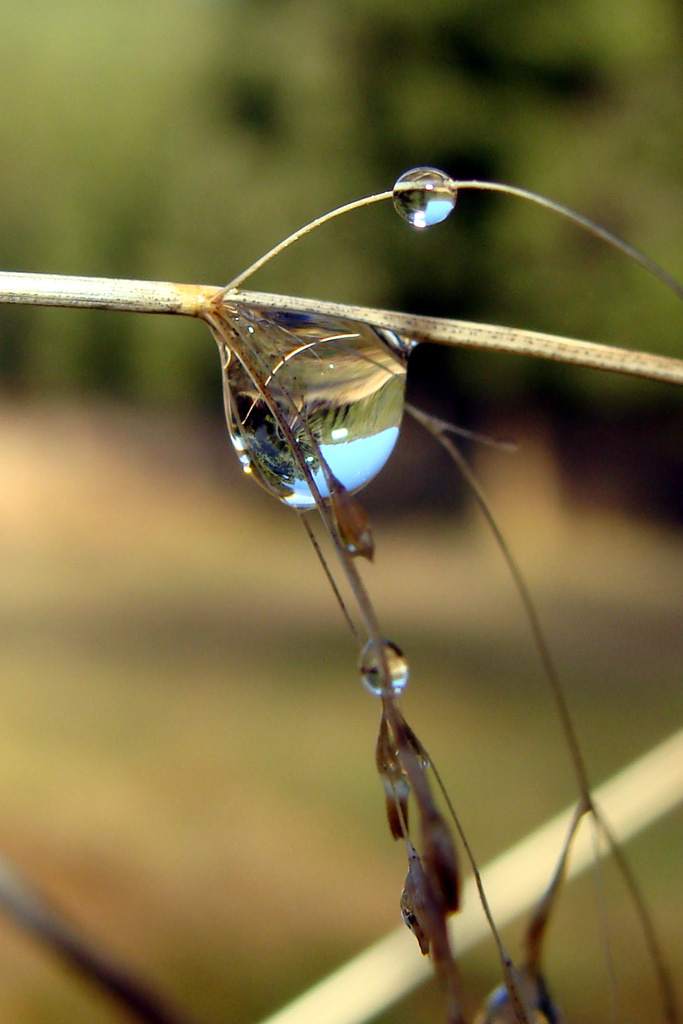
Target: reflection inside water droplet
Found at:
372, 670
338, 385
424, 196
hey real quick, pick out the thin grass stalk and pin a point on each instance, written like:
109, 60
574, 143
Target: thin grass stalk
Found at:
42, 920
439, 430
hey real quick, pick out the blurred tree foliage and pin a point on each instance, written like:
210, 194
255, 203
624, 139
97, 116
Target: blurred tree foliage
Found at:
179, 140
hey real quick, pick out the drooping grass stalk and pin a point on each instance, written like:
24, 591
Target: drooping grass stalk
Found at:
583, 222
440, 431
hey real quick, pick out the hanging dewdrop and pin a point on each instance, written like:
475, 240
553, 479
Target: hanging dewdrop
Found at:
424, 196
373, 666
338, 386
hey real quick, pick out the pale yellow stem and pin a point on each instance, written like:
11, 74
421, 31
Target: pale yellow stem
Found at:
196, 299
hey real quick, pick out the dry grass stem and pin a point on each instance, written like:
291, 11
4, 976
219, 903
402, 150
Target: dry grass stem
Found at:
49, 926
196, 299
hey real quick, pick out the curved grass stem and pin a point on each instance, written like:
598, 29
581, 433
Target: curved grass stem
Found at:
439, 430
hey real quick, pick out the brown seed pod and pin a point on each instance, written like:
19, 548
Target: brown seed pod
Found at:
414, 899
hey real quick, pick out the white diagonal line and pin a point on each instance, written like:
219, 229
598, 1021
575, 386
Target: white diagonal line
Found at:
631, 800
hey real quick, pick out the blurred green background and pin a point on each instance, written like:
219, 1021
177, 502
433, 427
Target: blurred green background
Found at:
186, 756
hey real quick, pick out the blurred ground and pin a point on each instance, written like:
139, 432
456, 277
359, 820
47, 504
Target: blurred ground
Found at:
186, 755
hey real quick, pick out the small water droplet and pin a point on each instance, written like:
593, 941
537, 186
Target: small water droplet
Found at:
372, 670
337, 383
499, 1008
424, 196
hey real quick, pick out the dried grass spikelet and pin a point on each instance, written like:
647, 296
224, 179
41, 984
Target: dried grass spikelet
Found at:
394, 781
353, 522
439, 856
414, 898
432, 887
440, 860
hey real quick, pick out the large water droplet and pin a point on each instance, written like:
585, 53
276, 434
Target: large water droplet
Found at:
372, 670
424, 196
338, 385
